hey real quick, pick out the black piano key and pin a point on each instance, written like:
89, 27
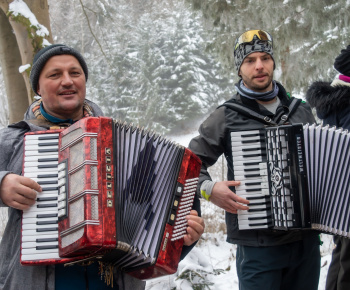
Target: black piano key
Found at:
253, 155
49, 188
46, 215
254, 149
258, 203
259, 209
268, 216
48, 137
47, 166
47, 159
253, 183
252, 175
46, 247
48, 144
47, 150
260, 224
46, 198
47, 175
46, 205
46, 223
256, 197
47, 230
46, 240
47, 182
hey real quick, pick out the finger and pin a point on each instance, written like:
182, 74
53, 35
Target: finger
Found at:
195, 227
18, 205
30, 183
240, 199
27, 192
25, 200
237, 205
233, 183
193, 212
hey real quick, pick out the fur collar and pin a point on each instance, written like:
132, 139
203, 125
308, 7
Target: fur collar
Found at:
328, 99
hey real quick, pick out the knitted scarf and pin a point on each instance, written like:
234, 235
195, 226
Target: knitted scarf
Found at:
41, 114
248, 93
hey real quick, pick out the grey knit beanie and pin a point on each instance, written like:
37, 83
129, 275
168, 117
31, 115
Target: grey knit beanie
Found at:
256, 45
45, 54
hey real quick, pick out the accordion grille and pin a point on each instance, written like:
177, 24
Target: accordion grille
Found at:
76, 156
77, 182
94, 207
94, 177
71, 136
76, 212
70, 239
93, 149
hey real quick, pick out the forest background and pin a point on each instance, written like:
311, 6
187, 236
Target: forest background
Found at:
166, 65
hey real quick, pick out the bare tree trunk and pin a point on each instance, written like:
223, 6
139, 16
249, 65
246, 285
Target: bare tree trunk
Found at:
10, 60
20, 52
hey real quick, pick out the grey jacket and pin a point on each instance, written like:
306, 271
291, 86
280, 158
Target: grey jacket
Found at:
13, 275
214, 140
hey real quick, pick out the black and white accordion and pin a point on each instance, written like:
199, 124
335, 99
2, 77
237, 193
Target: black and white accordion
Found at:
295, 177
112, 193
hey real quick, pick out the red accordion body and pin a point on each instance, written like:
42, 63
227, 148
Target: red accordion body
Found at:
123, 194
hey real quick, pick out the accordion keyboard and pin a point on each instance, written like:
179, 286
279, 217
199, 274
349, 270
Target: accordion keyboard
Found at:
40, 222
250, 168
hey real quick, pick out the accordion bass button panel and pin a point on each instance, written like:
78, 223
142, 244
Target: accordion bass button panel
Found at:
250, 168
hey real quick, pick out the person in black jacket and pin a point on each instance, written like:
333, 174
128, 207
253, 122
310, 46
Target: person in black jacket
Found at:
266, 259
332, 103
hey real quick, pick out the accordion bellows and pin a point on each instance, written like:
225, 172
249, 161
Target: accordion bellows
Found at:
123, 194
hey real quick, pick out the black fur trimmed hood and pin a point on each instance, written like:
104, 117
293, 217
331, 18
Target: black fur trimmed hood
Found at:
327, 99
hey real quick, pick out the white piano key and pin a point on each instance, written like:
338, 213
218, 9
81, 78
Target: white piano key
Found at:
30, 142
43, 236
31, 245
40, 228
38, 164
29, 251
52, 174
36, 256
53, 156
42, 136
258, 215
38, 234
34, 220
41, 154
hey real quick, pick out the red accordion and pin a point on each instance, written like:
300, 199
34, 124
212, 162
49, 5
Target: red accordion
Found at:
112, 193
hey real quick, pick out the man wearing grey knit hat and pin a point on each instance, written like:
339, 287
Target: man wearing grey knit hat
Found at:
59, 74
266, 258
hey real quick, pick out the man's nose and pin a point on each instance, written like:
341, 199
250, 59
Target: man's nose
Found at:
258, 64
66, 79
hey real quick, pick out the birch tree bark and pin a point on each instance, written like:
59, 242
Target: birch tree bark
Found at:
20, 38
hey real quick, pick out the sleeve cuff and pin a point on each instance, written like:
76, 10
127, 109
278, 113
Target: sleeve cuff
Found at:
206, 189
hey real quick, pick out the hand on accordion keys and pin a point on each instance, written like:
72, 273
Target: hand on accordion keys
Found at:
195, 228
18, 191
224, 197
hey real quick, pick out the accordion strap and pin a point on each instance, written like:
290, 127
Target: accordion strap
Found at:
257, 116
